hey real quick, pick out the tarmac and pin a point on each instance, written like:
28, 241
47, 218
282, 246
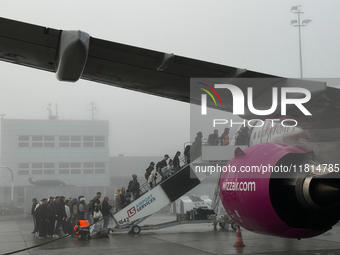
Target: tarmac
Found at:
15, 234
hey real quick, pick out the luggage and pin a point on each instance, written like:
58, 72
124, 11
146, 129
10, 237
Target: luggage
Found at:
104, 232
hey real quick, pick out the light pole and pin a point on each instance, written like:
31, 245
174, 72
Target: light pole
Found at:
297, 23
12, 185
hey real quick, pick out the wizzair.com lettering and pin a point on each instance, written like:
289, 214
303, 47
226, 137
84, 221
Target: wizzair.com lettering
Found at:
239, 186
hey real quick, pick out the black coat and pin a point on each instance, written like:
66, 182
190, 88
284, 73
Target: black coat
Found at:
51, 211
33, 208
60, 210
41, 212
176, 163
106, 208
148, 172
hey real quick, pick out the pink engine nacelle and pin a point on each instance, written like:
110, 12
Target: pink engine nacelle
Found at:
288, 201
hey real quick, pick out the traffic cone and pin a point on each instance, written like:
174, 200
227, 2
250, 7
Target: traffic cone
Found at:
239, 241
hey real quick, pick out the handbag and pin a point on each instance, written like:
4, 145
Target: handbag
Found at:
97, 215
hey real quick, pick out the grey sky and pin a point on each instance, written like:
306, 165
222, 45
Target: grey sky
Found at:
251, 34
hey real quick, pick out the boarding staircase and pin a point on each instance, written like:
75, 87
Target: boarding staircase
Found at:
172, 188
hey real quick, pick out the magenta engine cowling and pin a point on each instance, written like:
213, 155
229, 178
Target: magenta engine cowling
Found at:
267, 189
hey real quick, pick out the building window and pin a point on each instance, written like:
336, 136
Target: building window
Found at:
88, 168
75, 168
23, 141
23, 172
64, 145
37, 172
37, 168
48, 165
75, 145
23, 169
64, 165
75, 165
37, 145
48, 138
23, 165
88, 138
100, 138
100, 167
88, 165
88, 171
75, 138
99, 144
49, 141
100, 164
23, 138
88, 141
37, 165
48, 145
64, 141
49, 168
88, 144
75, 141
64, 171
99, 141
24, 145
37, 138
64, 138
100, 171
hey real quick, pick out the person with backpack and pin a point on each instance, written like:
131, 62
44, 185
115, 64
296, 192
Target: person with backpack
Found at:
133, 187
96, 204
149, 170
81, 209
168, 170
152, 179
74, 212
161, 164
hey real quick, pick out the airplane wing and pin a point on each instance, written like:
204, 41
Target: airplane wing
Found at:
75, 54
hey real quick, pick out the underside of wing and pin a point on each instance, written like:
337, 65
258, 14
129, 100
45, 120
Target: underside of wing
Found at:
74, 54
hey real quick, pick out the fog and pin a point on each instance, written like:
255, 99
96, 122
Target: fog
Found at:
255, 35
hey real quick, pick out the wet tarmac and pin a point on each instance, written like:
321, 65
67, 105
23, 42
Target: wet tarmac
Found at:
183, 239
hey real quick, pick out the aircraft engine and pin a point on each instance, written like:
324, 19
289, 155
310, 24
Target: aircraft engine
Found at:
279, 190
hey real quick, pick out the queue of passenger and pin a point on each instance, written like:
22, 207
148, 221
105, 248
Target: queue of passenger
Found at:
192, 152
163, 168
241, 138
59, 215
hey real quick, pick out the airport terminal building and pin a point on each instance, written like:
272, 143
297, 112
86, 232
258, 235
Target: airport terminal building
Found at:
50, 156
